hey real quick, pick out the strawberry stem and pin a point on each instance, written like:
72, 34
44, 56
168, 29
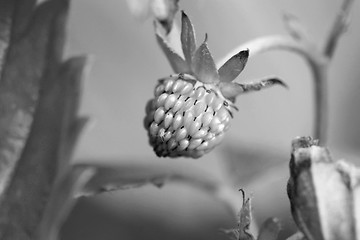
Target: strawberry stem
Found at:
339, 27
317, 59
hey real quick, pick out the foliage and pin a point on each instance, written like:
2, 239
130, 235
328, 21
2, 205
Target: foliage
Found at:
39, 128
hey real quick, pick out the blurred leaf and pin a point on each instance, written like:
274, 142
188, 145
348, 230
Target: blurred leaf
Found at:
139, 8
188, 41
203, 65
295, 28
234, 66
164, 11
39, 54
62, 202
339, 26
70, 138
35, 43
38, 167
269, 229
104, 176
297, 236
14, 16
232, 234
77, 69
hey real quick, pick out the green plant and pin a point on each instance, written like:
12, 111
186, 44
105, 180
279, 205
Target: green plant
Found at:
39, 128
192, 110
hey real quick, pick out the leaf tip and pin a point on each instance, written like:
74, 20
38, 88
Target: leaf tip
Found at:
188, 41
206, 38
246, 52
203, 64
279, 82
234, 66
183, 14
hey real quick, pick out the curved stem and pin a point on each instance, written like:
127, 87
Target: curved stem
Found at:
273, 42
320, 102
317, 63
338, 28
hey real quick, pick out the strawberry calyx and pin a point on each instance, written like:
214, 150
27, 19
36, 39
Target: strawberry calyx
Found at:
188, 39
234, 66
200, 64
203, 65
198, 61
192, 109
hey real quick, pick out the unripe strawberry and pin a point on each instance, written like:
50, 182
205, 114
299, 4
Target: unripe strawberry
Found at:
186, 119
192, 109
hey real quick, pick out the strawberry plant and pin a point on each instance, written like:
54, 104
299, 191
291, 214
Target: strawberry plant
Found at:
188, 116
192, 110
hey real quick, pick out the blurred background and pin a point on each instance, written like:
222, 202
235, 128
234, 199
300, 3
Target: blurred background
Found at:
255, 153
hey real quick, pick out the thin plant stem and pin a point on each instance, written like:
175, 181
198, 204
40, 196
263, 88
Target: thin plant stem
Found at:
321, 106
273, 42
318, 61
339, 27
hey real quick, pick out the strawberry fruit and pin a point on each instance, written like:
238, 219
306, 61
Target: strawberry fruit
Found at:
192, 109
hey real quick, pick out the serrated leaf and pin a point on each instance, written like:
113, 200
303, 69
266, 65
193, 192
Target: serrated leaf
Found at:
188, 41
76, 68
70, 139
234, 66
62, 202
36, 169
203, 65
177, 63
33, 46
14, 17
269, 229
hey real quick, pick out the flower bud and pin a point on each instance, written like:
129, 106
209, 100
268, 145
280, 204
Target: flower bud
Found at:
324, 194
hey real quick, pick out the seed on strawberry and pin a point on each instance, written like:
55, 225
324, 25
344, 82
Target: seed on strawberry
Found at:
192, 109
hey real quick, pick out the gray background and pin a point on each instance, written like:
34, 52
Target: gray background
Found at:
128, 63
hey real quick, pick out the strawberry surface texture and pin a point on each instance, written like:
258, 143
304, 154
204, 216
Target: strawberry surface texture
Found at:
186, 119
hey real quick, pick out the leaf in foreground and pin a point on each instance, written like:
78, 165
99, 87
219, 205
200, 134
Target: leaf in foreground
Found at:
35, 43
34, 60
89, 179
